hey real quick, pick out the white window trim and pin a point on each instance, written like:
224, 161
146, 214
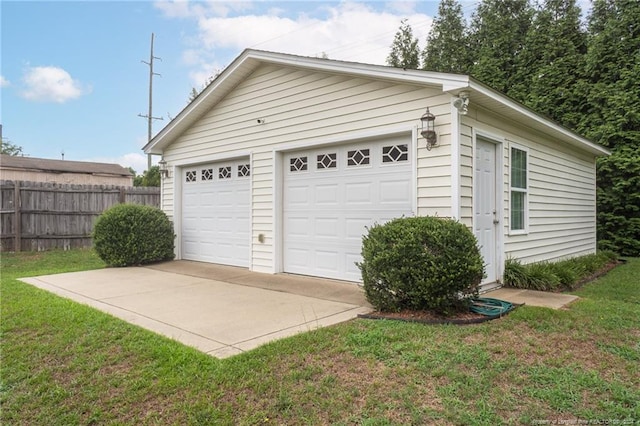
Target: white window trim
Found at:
526, 191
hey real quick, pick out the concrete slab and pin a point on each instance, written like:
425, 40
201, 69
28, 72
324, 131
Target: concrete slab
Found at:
216, 316
532, 298
341, 291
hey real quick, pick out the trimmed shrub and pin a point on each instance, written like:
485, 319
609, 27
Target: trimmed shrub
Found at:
420, 263
131, 234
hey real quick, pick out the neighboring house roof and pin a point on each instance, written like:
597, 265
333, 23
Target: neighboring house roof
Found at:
61, 166
250, 60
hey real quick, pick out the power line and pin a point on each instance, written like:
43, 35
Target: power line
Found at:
150, 116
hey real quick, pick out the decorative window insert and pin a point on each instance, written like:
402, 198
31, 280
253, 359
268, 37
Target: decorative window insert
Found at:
207, 174
395, 153
190, 176
298, 164
519, 190
244, 170
327, 161
358, 157
224, 172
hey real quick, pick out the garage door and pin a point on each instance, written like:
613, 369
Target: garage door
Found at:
332, 194
215, 213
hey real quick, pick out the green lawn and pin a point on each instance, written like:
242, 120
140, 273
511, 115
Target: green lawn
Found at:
64, 364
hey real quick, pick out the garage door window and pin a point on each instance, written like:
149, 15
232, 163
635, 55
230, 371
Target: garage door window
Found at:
207, 174
244, 170
224, 172
190, 176
298, 164
327, 161
395, 153
358, 157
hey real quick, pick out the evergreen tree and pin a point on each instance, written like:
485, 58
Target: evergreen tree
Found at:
193, 94
613, 67
404, 50
497, 37
551, 66
447, 49
611, 117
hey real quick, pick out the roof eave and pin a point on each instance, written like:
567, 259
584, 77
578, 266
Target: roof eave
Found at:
201, 103
157, 144
566, 134
250, 59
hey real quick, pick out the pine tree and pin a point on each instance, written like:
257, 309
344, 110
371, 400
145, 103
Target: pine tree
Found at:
447, 49
551, 66
404, 50
497, 37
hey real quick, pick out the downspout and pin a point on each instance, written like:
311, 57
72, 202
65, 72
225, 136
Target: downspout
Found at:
455, 161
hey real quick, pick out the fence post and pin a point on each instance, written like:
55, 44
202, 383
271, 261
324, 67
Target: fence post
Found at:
17, 216
123, 196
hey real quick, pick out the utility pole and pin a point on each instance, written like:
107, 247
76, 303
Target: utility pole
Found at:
150, 116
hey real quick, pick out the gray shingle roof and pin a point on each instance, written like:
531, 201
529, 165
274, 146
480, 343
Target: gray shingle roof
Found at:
61, 166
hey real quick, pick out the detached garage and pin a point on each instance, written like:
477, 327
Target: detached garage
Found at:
282, 162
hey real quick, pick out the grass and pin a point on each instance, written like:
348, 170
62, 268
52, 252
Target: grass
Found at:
65, 363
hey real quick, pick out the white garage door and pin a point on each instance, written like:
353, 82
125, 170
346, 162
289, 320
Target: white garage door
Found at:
215, 213
332, 194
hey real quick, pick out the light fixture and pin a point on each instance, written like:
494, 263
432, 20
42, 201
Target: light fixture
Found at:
462, 103
164, 171
427, 130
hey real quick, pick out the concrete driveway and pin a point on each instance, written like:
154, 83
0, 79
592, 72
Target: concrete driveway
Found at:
219, 310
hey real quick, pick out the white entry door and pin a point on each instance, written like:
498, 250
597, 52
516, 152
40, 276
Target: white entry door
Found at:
332, 194
215, 213
486, 218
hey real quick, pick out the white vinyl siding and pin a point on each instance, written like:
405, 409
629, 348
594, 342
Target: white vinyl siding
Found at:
561, 191
466, 175
561, 207
302, 108
518, 206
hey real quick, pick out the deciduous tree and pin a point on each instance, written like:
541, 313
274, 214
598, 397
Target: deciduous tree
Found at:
8, 148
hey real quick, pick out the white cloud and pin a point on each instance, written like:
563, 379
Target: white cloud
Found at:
186, 9
4, 82
347, 30
400, 6
51, 84
135, 160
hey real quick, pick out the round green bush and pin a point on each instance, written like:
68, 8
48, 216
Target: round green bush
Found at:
132, 234
421, 263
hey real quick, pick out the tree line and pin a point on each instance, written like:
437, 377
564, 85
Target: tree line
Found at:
584, 76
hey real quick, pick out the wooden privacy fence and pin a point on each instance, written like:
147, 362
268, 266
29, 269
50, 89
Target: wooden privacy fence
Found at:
37, 216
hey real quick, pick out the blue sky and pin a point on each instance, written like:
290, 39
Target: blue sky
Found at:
72, 80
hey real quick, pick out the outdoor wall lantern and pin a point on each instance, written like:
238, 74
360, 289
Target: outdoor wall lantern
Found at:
428, 129
164, 171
